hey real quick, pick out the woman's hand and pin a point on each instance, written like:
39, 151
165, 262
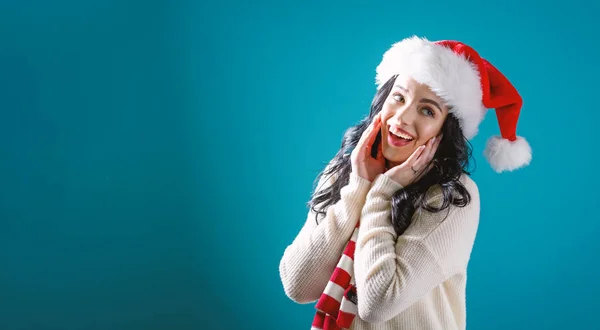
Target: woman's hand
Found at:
416, 165
363, 164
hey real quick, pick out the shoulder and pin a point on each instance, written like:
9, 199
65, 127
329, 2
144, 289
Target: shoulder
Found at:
450, 234
473, 190
470, 184
472, 208
454, 215
435, 195
454, 222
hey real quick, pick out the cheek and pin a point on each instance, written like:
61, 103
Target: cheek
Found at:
387, 107
386, 113
428, 130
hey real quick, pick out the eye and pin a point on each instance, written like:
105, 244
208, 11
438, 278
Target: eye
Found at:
427, 112
398, 97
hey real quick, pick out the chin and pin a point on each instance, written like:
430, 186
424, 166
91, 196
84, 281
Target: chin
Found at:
393, 155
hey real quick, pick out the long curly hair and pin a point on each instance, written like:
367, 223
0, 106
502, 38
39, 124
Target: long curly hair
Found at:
449, 163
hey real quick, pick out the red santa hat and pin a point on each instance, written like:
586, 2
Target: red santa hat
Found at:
470, 85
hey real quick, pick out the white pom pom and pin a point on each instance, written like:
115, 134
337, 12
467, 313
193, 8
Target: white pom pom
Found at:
504, 155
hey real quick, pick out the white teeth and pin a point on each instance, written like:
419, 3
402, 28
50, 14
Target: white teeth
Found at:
400, 135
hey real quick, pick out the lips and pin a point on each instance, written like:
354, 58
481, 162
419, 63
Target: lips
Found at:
399, 137
397, 141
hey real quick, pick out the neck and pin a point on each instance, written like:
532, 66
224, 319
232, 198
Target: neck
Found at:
389, 164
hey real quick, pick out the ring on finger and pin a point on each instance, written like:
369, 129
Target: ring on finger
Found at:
412, 168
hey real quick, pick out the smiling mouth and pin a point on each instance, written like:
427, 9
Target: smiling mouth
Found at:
399, 139
400, 134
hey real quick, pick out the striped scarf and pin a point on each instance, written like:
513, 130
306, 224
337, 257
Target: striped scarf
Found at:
337, 306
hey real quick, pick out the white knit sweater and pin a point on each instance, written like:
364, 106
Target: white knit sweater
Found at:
414, 281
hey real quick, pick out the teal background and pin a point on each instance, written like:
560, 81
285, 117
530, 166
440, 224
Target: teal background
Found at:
156, 156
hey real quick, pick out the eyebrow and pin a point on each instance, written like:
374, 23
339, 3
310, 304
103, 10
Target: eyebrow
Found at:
402, 88
424, 100
433, 103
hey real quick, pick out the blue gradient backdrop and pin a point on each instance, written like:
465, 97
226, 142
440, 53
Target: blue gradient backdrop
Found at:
156, 156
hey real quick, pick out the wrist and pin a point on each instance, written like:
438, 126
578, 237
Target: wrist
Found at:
362, 175
385, 185
358, 180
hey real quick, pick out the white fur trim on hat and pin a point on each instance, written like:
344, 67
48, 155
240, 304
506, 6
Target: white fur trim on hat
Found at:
452, 77
504, 155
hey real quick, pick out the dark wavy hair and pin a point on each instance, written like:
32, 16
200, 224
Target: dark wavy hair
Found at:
450, 161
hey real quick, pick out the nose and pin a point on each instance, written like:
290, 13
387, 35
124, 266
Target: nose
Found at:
405, 115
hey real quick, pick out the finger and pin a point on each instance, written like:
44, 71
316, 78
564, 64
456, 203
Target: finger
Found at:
427, 161
361, 142
431, 152
380, 152
418, 160
376, 129
415, 155
370, 134
430, 149
366, 132
436, 145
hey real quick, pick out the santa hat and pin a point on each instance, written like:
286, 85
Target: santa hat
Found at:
470, 85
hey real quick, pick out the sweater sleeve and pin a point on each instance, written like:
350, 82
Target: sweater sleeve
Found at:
309, 261
392, 272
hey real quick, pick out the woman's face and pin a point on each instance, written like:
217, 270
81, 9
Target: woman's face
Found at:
411, 115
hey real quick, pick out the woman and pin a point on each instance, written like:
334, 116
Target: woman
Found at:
394, 215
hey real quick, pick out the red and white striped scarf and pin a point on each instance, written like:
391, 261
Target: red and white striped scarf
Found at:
337, 306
